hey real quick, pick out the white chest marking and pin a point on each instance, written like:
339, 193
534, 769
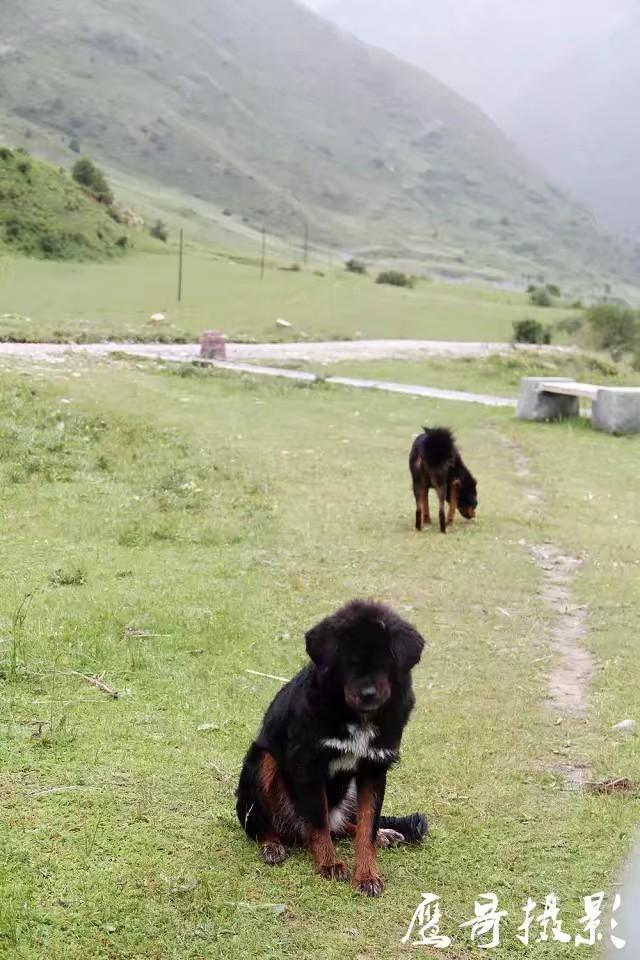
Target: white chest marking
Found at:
356, 747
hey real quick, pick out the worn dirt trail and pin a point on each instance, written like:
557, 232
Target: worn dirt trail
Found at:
569, 680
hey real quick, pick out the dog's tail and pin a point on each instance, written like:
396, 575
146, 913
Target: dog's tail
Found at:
413, 828
438, 447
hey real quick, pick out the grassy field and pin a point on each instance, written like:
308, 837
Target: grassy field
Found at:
170, 530
495, 375
98, 301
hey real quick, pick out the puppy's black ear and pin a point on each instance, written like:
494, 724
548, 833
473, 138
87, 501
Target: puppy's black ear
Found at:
322, 643
406, 644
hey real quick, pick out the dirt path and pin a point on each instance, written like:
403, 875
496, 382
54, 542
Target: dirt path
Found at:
330, 351
569, 680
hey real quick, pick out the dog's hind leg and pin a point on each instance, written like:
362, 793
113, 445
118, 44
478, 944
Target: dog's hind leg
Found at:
386, 836
262, 803
441, 491
426, 516
421, 493
276, 801
412, 829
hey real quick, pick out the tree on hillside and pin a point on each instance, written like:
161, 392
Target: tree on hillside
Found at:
614, 327
159, 231
93, 180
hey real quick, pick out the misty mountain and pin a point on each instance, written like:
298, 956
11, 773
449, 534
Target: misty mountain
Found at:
273, 113
557, 77
491, 51
581, 123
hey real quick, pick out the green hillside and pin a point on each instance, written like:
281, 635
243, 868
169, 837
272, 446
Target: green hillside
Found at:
271, 113
43, 213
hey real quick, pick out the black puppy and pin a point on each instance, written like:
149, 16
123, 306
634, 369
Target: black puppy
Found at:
435, 461
318, 767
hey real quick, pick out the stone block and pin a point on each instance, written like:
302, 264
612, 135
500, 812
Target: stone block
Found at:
617, 410
536, 404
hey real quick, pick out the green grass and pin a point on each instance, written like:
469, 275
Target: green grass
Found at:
497, 375
170, 532
43, 213
98, 301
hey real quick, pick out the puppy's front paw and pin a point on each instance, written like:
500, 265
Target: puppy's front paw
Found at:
389, 838
371, 885
273, 852
334, 871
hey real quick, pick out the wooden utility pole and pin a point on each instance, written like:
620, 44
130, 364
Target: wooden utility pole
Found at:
180, 266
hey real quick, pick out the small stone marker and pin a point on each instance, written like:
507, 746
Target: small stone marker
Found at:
213, 345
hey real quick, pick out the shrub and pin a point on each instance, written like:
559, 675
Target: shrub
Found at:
355, 266
540, 297
614, 327
530, 331
74, 577
395, 278
570, 325
159, 231
51, 245
553, 290
93, 180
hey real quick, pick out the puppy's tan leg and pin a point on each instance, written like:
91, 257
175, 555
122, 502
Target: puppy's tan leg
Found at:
366, 877
323, 851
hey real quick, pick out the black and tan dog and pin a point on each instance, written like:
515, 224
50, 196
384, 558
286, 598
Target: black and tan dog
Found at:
435, 461
317, 770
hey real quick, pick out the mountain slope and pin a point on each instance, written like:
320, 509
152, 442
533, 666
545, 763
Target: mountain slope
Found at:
271, 112
581, 123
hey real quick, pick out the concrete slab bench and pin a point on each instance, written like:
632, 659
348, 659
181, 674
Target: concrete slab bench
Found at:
613, 409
